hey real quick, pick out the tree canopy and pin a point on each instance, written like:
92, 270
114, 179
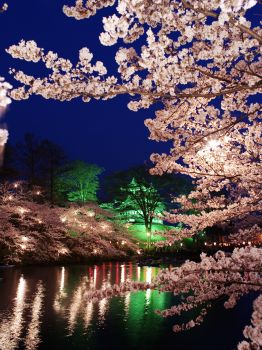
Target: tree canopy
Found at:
79, 181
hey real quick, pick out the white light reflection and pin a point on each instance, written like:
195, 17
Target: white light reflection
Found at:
128, 295
138, 273
95, 277
75, 308
88, 314
32, 338
62, 281
127, 302
148, 280
103, 304
122, 273
60, 294
11, 327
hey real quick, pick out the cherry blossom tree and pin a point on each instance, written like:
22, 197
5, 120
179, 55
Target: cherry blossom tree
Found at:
32, 231
201, 60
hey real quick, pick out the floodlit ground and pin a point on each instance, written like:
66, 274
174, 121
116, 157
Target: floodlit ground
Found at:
139, 232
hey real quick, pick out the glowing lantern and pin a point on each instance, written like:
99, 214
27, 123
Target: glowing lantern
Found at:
22, 210
63, 251
104, 226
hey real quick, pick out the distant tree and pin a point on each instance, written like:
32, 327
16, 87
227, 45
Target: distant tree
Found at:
52, 158
28, 156
79, 182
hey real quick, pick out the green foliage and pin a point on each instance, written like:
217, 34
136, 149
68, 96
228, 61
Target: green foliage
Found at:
73, 233
79, 182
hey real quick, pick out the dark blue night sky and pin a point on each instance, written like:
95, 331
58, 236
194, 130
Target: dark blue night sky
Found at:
105, 133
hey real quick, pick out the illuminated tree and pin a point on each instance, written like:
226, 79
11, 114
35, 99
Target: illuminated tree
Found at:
142, 202
79, 181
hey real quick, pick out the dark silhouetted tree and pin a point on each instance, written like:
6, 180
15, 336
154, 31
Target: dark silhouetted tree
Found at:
142, 199
28, 156
52, 158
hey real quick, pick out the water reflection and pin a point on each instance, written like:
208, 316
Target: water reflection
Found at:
62, 280
70, 301
11, 325
20, 324
74, 308
88, 314
33, 337
148, 280
61, 293
45, 308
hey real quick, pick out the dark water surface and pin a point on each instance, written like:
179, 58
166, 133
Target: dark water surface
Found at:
45, 308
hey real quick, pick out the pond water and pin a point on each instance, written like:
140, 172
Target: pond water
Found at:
45, 308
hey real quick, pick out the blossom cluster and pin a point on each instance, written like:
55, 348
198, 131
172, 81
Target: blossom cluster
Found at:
3, 7
3, 137
254, 333
4, 88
